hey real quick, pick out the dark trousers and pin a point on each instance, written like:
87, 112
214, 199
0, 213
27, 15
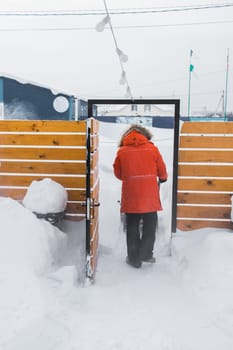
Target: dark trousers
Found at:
140, 230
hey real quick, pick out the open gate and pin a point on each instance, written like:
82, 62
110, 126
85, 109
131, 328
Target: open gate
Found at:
92, 197
66, 152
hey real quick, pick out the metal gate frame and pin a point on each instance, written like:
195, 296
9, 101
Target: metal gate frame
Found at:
90, 204
174, 102
89, 273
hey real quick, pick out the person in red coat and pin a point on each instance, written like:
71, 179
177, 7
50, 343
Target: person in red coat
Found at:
140, 167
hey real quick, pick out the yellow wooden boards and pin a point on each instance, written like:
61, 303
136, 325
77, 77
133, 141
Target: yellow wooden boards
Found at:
33, 150
205, 175
37, 126
202, 128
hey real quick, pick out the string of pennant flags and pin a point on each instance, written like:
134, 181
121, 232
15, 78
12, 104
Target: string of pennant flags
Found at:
123, 58
191, 66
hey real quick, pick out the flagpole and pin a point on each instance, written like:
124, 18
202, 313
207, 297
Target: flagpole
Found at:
227, 71
190, 77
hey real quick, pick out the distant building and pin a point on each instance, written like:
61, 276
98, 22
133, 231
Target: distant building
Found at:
142, 110
144, 114
21, 99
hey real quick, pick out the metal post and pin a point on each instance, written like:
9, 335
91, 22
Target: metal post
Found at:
88, 185
175, 164
190, 77
1, 99
189, 93
227, 71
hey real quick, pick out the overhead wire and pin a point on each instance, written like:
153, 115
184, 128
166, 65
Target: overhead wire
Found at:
116, 11
143, 26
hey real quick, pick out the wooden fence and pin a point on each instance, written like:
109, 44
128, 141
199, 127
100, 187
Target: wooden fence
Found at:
33, 150
205, 175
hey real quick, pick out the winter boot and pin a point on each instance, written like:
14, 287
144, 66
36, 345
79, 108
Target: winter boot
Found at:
151, 260
136, 264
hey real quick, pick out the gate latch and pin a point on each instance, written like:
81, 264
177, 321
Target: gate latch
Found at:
92, 206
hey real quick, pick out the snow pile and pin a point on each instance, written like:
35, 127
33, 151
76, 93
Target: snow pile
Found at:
29, 247
204, 261
45, 196
31, 243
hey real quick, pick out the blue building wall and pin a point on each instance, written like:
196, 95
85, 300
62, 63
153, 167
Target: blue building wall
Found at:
35, 101
1, 90
83, 110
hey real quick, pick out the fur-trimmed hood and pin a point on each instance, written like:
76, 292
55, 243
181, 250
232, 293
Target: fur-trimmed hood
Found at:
139, 129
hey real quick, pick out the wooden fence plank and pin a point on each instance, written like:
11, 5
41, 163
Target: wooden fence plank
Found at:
42, 167
43, 153
77, 195
94, 242
94, 143
203, 198
14, 193
72, 182
94, 159
76, 208
205, 170
43, 139
207, 128
203, 212
25, 180
19, 194
95, 191
206, 156
94, 126
95, 220
94, 251
187, 184
95, 175
187, 225
43, 126
206, 142
75, 218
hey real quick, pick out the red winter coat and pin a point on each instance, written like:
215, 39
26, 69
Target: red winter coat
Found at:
139, 164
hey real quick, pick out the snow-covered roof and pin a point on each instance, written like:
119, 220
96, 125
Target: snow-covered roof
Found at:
24, 81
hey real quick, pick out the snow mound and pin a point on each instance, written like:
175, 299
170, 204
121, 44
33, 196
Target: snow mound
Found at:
34, 244
29, 248
45, 196
203, 257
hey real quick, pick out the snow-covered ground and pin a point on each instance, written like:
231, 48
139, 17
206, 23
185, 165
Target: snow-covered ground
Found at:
183, 302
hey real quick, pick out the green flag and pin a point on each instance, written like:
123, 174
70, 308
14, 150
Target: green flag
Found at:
191, 67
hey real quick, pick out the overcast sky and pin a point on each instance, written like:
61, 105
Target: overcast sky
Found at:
83, 61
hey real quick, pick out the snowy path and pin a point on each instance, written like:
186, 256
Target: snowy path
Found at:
126, 309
